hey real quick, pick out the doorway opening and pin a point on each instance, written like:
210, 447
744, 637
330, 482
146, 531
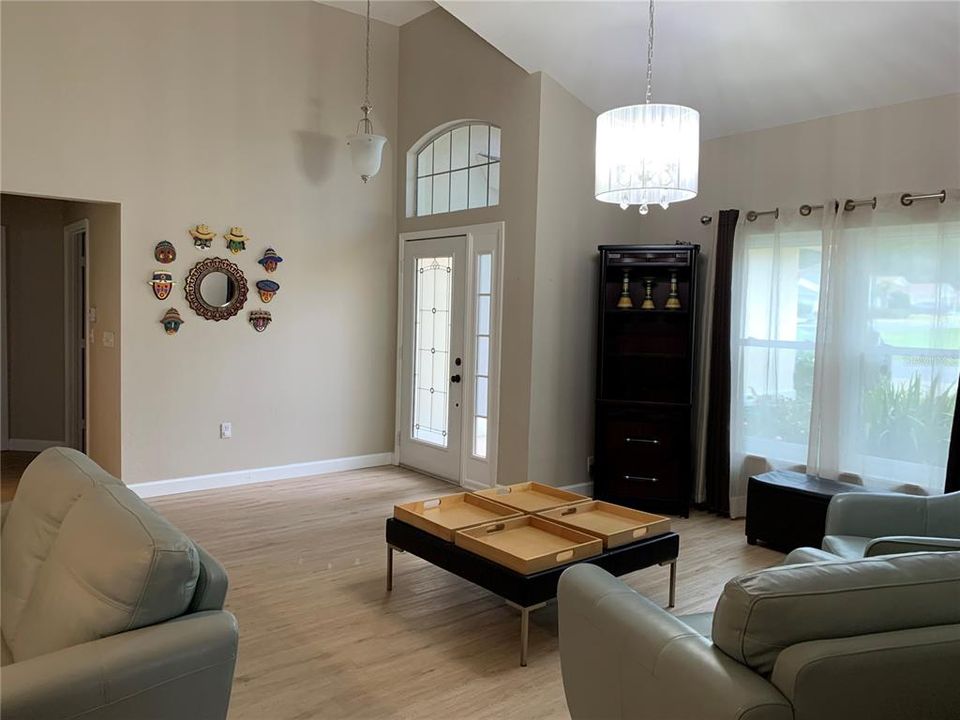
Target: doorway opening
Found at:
448, 353
53, 369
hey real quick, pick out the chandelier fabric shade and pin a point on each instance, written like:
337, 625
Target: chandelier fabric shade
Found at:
647, 154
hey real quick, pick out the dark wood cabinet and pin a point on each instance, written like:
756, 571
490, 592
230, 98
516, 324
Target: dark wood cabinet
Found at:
643, 453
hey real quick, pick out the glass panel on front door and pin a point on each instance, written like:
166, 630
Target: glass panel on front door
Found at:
484, 291
431, 377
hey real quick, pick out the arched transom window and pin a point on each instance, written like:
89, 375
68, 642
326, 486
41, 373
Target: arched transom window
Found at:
458, 169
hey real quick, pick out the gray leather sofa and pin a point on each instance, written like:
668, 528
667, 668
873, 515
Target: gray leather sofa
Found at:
872, 639
867, 524
106, 609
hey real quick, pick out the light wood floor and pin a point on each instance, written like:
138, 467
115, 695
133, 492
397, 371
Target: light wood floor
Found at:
321, 638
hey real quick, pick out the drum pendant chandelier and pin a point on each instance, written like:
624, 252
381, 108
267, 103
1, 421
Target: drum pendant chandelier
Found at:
647, 153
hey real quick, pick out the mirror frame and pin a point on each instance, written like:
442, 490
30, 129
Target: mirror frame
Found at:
196, 276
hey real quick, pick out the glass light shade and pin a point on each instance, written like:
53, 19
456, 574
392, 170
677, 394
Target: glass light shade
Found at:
366, 151
647, 154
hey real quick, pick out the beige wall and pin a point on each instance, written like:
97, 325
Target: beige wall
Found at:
229, 113
913, 146
35, 353
910, 147
103, 260
570, 226
449, 73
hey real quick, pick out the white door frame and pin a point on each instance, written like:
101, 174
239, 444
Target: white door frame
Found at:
4, 400
76, 340
468, 462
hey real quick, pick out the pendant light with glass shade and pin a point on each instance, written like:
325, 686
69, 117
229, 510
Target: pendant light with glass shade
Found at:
647, 153
366, 148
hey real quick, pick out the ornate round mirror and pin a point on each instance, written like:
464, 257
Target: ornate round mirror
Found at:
216, 289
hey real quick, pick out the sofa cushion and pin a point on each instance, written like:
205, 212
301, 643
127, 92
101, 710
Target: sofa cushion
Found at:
762, 613
84, 558
846, 546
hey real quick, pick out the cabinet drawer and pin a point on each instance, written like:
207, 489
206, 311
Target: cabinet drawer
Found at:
654, 481
644, 436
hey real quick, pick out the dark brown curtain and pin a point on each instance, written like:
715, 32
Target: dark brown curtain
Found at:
717, 458
953, 458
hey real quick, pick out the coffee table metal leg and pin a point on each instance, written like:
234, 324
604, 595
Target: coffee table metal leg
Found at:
390, 551
525, 627
389, 568
673, 584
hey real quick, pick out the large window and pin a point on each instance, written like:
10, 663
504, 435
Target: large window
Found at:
846, 342
776, 341
458, 169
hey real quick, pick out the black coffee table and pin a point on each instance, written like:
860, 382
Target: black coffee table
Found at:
525, 592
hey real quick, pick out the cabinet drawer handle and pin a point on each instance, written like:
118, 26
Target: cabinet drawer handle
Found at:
641, 478
647, 441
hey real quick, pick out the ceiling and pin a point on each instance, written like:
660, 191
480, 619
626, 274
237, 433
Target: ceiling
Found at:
743, 65
395, 12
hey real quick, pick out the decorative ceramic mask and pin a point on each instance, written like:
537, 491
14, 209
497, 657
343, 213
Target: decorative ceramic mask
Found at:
165, 252
260, 319
267, 289
202, 236
172, 321
236, 240
270, 260
162, 283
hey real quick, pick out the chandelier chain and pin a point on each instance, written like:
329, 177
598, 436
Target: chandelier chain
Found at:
366, 74
649, 57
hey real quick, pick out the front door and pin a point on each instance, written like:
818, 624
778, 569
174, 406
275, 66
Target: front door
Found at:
432, 355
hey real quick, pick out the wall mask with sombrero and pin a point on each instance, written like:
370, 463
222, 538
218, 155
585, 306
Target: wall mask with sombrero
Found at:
236, 240
267, 289
270, 260
202, 236
162, 283
171, 321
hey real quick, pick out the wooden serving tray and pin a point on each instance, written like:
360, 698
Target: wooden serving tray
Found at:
614, 524
528, 544
443, 516
531, 497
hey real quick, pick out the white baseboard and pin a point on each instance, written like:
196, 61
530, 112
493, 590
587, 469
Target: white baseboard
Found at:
585, 488
473, 485
19, 445
258, 475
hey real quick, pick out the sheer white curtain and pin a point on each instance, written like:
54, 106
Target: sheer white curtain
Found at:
776, 289
888, 344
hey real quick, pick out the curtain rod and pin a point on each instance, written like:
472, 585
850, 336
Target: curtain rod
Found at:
906, 200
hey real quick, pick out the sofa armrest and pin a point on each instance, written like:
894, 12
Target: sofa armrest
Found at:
881, 676
180, 668
876, 514
896, 544
212, 583
624, 657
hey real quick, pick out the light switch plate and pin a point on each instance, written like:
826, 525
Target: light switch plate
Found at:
108, 339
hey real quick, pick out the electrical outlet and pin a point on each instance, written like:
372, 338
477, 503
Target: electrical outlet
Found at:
226, 430
108, 339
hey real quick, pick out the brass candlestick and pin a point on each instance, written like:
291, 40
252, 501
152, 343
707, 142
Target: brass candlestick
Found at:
673, 299
647, 303
625, 303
